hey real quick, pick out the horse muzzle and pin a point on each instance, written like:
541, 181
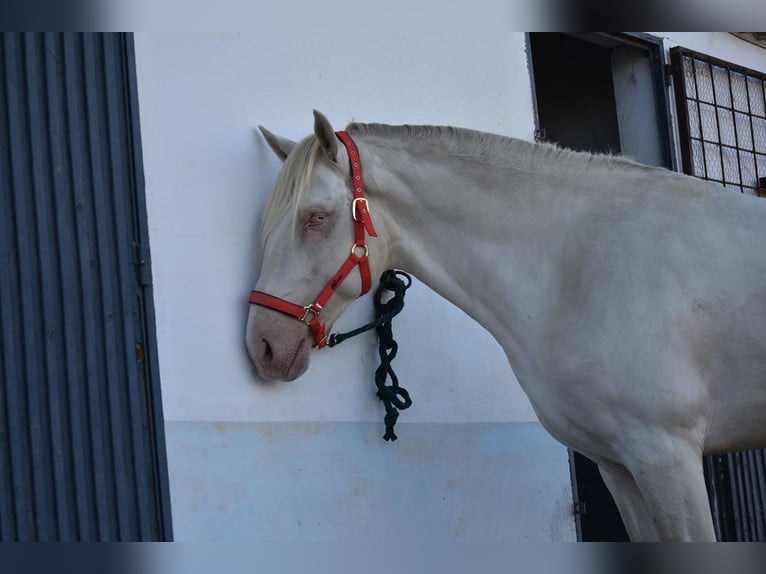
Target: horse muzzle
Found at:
278, 347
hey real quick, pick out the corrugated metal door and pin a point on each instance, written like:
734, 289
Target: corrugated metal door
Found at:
722, 123
82, 455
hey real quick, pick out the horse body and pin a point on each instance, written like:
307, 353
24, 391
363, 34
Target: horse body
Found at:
630, 301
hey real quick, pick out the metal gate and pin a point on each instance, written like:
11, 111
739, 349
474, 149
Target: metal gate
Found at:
82, 454
721, 111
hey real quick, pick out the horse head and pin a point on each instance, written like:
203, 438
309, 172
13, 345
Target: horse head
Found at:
312, 259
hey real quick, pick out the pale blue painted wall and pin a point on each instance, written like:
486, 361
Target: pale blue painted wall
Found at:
319, 482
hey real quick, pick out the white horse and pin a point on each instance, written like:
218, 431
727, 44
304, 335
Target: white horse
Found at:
630, 300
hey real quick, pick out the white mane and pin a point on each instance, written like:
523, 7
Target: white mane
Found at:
483, 146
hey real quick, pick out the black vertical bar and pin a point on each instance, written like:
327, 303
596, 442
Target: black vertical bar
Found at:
717, 123
661, 81
699, 118
736, 135
682, 111
752, 129
710, 468
758, 174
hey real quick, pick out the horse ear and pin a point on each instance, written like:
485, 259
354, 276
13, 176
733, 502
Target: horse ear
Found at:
326, 135
281, 146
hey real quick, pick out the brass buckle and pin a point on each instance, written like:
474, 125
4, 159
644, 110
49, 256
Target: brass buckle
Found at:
310, 310
354, 203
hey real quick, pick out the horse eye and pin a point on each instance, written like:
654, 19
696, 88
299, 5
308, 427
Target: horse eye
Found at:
316, 219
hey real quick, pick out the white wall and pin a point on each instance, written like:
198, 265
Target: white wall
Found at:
719, 45
305, 460
208, 174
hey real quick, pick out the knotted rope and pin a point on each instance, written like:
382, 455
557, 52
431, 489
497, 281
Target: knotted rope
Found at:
393, 396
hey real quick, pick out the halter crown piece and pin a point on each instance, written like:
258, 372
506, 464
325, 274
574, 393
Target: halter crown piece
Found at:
359, 257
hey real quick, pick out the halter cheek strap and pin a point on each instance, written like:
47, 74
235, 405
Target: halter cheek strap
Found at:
359, 257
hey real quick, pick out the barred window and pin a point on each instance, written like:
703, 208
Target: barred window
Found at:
722, 120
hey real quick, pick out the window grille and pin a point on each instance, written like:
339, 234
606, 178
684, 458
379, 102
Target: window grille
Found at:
722, 121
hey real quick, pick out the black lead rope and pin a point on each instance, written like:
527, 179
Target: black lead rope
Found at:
393, 396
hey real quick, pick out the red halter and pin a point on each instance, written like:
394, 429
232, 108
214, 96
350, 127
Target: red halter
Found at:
360, 211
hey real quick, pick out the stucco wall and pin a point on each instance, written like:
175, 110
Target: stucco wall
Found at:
719, 45
304, 460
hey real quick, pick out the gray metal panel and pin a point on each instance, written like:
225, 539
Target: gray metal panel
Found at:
81, 443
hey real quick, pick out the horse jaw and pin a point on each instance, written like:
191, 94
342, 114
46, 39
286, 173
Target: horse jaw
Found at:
279, 346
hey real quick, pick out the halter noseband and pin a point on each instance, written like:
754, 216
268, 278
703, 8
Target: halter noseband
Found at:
359, 257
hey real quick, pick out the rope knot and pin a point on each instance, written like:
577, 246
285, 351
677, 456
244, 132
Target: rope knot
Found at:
393, 396
390, 420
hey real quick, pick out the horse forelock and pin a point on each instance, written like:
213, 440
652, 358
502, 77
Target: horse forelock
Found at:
291, 183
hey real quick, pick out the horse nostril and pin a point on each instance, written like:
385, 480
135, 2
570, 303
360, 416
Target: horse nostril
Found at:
268, 354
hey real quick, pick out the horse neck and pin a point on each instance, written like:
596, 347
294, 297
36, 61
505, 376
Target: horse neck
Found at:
476, 232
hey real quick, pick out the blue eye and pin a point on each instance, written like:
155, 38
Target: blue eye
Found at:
316, 219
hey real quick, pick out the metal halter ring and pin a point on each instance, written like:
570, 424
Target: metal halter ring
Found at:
365, 247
